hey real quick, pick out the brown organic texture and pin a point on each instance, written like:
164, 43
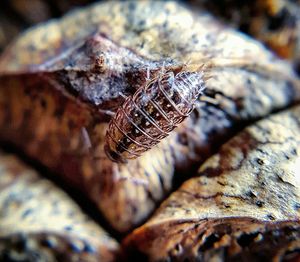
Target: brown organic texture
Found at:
57, 79
16, 15
39, 222
244, 204
274, 22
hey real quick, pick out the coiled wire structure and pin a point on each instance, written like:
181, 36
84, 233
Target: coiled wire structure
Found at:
152, 113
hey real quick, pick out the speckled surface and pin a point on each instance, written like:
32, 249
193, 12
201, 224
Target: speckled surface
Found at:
40, 221
57, 59
58, 78
251, 185
276, 23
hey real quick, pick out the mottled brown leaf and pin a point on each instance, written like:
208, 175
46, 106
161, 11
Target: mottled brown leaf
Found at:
39, 222
275, 23
244, 204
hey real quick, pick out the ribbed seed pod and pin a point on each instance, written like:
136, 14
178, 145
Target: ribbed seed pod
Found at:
152, 113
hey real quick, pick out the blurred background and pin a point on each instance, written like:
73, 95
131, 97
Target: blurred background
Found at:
18, 15
276, 23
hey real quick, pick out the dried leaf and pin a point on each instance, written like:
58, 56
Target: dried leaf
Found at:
40, 222
275, 23
58, 79
244, 204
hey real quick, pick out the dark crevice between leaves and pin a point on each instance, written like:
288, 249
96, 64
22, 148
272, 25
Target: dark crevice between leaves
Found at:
209, 242
246, 239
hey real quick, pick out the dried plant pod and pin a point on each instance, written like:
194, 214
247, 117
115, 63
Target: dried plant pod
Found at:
39, 222
244, 204
57, 80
